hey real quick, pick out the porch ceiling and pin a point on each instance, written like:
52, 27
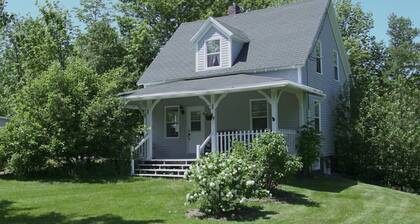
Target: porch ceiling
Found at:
214, 85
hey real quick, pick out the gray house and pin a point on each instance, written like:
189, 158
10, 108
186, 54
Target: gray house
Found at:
231, 77
3, 121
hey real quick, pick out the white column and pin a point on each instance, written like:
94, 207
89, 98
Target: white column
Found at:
213, 111
149, 120
274, 101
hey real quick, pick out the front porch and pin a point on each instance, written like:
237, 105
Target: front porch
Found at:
186, 118
185, 128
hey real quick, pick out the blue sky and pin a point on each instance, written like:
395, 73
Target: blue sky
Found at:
381, 9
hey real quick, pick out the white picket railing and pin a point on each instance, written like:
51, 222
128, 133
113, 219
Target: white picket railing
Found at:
200, 148
226, 138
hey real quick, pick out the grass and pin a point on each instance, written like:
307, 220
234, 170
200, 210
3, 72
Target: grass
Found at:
142, 201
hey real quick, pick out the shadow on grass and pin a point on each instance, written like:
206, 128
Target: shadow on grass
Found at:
293, 198
244, 213
332, 184
10, 215
250, 213
69, 179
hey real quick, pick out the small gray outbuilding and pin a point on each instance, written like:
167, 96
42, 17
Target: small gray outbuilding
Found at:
3, 121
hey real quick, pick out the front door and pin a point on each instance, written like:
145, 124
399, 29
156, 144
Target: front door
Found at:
195, 127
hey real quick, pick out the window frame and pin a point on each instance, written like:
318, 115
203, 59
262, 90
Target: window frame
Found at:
207, 54
166, 121
317, 102
318, 42
336, 65
250, 112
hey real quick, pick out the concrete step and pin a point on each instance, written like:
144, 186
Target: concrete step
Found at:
160, 175
163, 168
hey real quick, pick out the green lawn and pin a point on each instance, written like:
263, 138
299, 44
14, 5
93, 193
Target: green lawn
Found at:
139, 201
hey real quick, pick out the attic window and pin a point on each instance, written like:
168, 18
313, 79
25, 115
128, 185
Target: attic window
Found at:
213, 53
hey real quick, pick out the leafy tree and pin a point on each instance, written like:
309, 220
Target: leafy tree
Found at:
403, 52
30, 46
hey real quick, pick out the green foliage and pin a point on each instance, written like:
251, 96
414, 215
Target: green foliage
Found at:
270, 155
309, 146
377, 122
221, 183
66, 116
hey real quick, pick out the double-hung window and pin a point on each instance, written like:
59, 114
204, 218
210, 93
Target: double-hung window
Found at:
213, 53
259, 114
335, 64
317, 115
318, 57
172, 122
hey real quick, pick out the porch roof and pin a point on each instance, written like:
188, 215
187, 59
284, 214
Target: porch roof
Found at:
214, 85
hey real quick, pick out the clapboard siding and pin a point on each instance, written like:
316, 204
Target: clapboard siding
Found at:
326, 83
224, 49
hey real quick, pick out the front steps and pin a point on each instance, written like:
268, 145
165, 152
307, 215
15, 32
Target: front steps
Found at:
171, 168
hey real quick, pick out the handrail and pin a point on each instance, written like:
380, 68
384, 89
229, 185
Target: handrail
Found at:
199, 148
141, 142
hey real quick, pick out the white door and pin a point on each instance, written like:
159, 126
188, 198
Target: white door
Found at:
195, 128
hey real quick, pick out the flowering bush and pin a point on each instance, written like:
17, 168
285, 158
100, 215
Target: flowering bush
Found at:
221, 183
270, 155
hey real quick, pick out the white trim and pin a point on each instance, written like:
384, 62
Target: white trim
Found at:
205, 27
165, 122
250, 112
264, 70
188, 109
337, 59
299, 74
339, 40
207, 54
180, 94
315, 102
320, 57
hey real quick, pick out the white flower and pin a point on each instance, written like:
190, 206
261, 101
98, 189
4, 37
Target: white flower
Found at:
242, 200
250, 183
229, 195
212, 184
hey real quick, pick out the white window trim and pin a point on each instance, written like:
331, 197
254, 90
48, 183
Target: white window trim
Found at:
206, 54
319, 113
250, 112
338, 65
320, 57
165, 122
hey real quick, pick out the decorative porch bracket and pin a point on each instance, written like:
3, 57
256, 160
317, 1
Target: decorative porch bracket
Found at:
213, 103
273, 100
147, 110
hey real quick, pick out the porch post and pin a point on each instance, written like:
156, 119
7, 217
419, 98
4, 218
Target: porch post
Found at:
149, 125
213, 104
213, 111
274, 110
273, 100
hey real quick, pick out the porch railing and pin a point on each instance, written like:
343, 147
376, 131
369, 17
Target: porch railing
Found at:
139, 152
200, 148
226, 138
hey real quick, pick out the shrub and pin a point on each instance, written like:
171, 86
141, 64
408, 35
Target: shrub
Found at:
221, 183
270, 155
309, 146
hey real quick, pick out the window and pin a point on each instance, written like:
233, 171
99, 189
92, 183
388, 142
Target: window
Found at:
318, 57
317, 115
335, 64
213, 53
259, 117
172, 121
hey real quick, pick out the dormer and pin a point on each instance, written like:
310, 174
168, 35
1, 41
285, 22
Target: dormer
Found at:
217, 45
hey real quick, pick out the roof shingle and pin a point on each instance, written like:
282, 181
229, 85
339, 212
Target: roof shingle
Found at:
279, 37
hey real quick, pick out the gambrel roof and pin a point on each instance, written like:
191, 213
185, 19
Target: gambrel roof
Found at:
279, 38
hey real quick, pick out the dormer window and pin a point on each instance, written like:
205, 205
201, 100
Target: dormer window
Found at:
213, 53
